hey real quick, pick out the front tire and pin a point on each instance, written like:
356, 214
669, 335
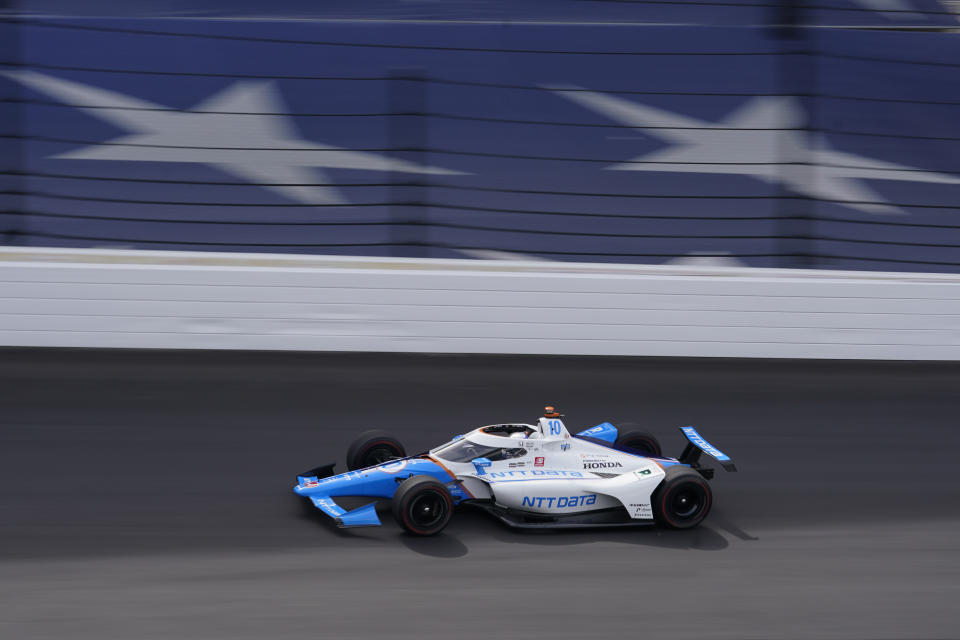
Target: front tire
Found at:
422, 505
372, 448
683, 499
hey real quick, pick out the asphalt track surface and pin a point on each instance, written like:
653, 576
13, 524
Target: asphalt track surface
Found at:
148, 495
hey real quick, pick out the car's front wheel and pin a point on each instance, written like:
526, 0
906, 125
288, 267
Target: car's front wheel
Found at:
372, 448
422, 505
683, 499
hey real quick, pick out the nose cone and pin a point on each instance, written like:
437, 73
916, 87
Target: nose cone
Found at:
306, 488
379, 481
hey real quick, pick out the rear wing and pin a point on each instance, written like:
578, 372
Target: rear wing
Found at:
697, 445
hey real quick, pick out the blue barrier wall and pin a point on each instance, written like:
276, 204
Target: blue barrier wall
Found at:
624, 143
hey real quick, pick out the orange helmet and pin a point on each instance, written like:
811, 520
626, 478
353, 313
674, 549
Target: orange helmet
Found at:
550, 412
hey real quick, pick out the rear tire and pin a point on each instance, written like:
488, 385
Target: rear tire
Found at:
372, 448
422, 505
683, 499
643, 442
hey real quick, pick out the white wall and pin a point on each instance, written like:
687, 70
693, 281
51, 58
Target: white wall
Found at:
101, 298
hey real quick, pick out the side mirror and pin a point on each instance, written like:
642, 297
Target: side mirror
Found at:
480, 464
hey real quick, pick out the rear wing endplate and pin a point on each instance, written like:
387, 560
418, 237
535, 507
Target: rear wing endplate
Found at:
696, 445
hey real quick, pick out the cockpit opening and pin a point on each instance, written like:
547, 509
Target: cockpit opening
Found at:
465, 451
509, 430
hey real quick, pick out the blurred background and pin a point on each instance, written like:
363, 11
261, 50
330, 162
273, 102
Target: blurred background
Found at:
775, 133
221, 232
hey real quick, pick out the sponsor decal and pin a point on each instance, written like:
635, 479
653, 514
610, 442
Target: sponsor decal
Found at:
517, 465
564, 447
456, 491
326, 503
538, 461
695, 438
641, 510
561, 502
394, 467
310, 483
601, 464
349, 475
535, 474
643, 472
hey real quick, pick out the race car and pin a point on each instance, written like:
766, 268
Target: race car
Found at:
527, 475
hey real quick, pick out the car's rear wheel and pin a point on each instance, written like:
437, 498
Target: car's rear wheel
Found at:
372, 448
422, 505
643, 442
683, 499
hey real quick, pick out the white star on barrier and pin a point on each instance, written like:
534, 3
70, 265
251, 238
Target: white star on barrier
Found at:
230, 130
750, 141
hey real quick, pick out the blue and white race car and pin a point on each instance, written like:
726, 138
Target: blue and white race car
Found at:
527, 475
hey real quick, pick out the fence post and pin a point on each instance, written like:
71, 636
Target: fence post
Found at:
797, 79
13, 210
407, 103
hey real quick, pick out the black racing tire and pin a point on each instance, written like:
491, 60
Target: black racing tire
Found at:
643, 442
683, 499
372, 448
422, 505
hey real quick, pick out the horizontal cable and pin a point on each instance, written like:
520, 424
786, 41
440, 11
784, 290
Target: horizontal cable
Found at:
327, 245
211, 243
252, 223
480, 154
437, 150
899, 243
887, 223
487, 85
422, 114
554, 123
719, 219
231, 183
433, 185
380, 45
770, 5
106, 107
407, 223
64, 196
859, 58
448, 116
111, 143
528, 250
814, 255
201, 74
593, 194
443, 205
939, 263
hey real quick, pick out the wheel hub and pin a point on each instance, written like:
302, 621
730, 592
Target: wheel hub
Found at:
428, 510
686, 504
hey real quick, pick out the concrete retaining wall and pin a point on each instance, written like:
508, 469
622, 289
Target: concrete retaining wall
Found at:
141, 299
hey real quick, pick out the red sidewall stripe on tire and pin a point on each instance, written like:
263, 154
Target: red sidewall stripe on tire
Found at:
406, 519
663, 503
